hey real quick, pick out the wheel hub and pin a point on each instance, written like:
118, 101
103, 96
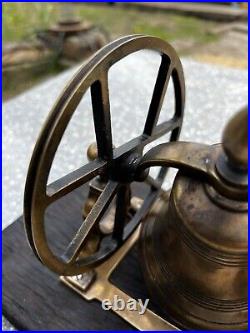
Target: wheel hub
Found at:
123, 169
119, 166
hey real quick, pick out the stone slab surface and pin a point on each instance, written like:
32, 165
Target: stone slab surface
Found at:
213, 95
204, 10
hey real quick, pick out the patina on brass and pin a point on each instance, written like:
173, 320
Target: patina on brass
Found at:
232, 163
116, 165
194, 246
97, 286
195, 252
96, 186
235, 140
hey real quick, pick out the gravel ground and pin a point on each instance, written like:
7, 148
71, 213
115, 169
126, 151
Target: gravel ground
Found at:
213, 95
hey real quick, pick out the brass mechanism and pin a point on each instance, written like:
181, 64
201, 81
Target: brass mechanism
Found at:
193, 239
195, 252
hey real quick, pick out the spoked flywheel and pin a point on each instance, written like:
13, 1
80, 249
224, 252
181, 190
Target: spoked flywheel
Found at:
116, 165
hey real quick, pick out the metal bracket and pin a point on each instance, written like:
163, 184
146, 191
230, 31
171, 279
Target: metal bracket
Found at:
96, 285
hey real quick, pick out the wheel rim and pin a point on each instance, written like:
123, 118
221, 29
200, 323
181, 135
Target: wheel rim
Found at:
38, 196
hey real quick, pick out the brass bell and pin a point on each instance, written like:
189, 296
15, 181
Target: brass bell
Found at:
195, 253
193, 239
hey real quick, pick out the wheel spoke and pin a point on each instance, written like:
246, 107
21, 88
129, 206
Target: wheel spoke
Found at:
160, 88
122, 204
154, 183
143, 140
164, 128
101, 114
141, 213
93, 217
75, 179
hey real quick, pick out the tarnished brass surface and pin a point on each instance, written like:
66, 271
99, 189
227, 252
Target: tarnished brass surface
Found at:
195, 260
197, 159
235, 139
194, 249
101, 288
96, 186
92, 152
232, 164
195, 254
116, 165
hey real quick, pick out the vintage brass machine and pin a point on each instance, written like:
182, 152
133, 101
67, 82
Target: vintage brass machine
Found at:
193, 239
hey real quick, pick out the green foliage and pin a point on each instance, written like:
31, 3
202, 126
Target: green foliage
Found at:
22, 19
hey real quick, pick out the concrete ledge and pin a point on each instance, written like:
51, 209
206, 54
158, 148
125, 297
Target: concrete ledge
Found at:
203, 10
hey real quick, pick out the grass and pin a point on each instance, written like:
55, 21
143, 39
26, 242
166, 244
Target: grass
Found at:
21, 20
120, 21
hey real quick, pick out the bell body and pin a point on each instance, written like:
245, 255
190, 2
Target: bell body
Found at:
195, 258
